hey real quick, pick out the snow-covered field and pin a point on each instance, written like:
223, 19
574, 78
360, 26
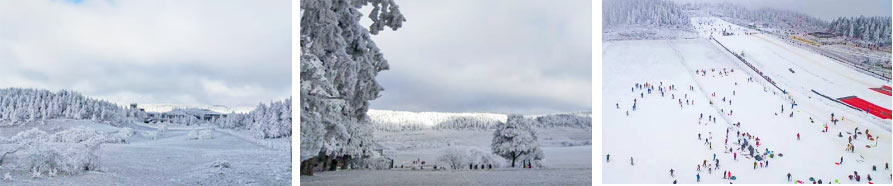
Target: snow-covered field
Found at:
568, 153
171, 158
662, 134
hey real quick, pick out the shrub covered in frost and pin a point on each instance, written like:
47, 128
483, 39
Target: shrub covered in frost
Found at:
79, 135
162, 128
150, 134
121, 136
54, 158
70, 151
201, 134
454, 157
220, 164
29, 137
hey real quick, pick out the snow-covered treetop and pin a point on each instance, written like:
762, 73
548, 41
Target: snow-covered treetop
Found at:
866, 30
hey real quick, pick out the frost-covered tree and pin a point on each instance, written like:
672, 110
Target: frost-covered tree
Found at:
273, 121
781, 19
643, 12
868, 31
339, 62
515, 140
454, 157
19, 105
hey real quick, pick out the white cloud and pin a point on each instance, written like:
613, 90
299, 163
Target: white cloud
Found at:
529, 56
149, 51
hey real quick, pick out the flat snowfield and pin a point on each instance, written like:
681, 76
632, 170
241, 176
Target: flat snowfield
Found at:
171, 159
662, 133
568, 160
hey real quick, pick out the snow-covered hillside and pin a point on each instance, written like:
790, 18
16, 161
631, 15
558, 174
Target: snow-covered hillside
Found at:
216, 108
704, 104
404, 120
644, 19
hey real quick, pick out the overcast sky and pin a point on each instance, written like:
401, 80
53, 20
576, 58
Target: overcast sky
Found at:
822, 9
503, 56
222, 52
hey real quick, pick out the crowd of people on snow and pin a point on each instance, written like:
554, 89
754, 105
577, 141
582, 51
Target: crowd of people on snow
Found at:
747, 144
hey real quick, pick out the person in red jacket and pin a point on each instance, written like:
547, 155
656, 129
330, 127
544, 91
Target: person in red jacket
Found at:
798, 136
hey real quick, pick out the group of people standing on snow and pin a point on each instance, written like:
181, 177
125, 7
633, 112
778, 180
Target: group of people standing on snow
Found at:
648, 88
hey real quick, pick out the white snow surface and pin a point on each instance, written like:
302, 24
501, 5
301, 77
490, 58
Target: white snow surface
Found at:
170, 159
567, 152
661, 135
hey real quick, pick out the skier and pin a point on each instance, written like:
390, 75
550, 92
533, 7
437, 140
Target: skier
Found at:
609, 157
841, 159
798, 136
631, 161
674, 181
714, 156
735, 156
699, 177
754, 165
671, 173
789, 177
618, 105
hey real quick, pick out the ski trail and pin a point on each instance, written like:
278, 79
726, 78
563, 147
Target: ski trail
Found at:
806, 58
698, 83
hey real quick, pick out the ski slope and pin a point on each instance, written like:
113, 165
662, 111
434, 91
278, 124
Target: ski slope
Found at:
776, 58
661, 135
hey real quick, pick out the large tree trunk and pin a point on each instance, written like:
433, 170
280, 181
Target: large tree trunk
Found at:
307, 166
514, 157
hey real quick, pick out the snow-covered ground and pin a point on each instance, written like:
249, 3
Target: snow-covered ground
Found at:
172, 158
568, 159
662, 134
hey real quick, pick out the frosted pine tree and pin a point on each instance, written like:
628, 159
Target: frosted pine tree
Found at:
339, 62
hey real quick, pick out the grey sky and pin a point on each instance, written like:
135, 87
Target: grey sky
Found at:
822, 9
229, 52
505, 56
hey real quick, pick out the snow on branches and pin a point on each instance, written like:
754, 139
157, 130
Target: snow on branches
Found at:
339, 62
69, 151
19, 105
866, 30
515, 140
267, 121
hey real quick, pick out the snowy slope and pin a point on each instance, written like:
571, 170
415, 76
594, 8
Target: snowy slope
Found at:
404, 120
662, 135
